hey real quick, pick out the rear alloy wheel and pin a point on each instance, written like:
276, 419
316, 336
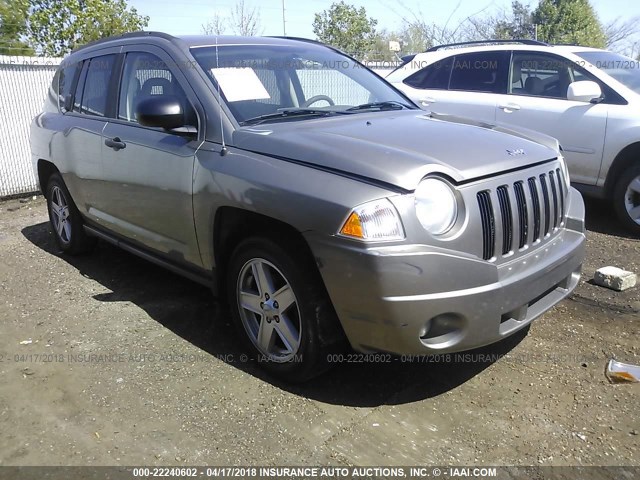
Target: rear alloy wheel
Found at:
60, 215
626, 197
281, 309
65, 219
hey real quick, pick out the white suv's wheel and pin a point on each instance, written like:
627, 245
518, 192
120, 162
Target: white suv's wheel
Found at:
626, 197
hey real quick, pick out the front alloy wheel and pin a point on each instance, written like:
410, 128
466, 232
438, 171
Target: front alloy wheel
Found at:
269, 310
280, 308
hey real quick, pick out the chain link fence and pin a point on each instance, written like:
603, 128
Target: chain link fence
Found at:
24, 82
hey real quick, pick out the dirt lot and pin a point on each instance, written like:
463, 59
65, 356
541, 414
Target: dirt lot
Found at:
167, 385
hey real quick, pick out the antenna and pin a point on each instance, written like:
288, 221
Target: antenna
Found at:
224, 150
284, 21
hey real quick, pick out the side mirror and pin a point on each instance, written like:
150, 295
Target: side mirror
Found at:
585, 91
164, 111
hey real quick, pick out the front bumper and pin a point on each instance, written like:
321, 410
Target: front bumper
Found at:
420, 299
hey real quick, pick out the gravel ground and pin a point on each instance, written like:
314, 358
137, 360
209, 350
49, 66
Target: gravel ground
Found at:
109, 360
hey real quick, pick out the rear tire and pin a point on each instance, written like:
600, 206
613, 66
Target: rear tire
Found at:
66, 221
626, 199
281, 310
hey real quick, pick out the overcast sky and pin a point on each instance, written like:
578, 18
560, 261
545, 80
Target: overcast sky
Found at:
171, 17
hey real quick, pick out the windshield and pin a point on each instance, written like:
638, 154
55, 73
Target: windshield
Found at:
623, 69
273, 83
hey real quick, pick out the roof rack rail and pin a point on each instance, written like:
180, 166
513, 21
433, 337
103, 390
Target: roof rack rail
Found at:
523, 41
309, 40
141, 33
300, 39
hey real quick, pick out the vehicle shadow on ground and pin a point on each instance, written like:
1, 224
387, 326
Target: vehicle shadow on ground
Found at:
601, 218
190, 311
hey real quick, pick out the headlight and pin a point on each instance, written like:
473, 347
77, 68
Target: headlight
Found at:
436, 206
374, 221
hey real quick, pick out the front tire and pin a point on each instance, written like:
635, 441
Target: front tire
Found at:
626, 198
66, 221
281, 310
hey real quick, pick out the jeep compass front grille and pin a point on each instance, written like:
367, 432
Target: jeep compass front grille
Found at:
519, 211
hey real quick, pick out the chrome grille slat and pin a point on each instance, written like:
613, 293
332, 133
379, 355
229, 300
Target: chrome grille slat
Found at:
515, 218
547, 204
488, 224
561, 187
523, 216
507, 218
554, 193
535, 199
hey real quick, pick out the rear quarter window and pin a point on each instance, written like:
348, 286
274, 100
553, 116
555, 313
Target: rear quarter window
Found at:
63, 85
435, 76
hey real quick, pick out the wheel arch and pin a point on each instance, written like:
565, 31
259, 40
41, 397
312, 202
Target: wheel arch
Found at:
45, 170
624, 159
232, 225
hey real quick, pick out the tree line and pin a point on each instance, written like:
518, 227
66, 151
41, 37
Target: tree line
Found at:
573, 22
55, 27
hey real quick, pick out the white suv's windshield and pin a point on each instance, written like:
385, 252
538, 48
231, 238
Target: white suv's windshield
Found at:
623, 69
263, 83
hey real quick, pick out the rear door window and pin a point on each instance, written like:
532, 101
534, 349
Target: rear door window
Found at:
96, 85
480, 72
77, 96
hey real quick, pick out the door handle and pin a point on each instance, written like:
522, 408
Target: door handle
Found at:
425, 102
115, 143
510, 107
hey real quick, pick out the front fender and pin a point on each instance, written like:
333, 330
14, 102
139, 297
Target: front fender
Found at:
300, 196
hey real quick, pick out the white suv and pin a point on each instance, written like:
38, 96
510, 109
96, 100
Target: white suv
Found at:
587, 98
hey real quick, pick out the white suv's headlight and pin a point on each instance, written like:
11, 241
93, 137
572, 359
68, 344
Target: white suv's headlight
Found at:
436, 205
374, 221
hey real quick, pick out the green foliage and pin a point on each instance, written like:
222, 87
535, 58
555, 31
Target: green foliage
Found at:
13, 27
55, 27
416, 37
347, 28
569, 22
380, 51
518, 25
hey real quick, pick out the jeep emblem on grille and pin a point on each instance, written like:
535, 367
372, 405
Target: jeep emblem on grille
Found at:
516, 152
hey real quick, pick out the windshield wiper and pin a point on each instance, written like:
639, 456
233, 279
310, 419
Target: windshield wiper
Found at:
289, 112
317, 112
388, 105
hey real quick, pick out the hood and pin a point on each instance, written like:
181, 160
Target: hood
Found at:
400, 147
